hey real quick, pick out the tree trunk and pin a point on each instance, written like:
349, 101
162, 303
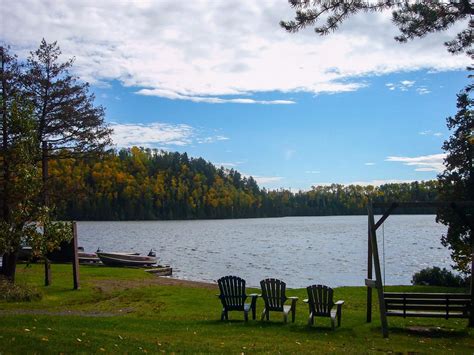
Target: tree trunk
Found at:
9, 265
47, 272
47, 264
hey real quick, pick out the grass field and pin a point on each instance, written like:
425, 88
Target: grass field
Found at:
127, 310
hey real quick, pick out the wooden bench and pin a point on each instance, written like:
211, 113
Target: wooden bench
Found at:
435, 305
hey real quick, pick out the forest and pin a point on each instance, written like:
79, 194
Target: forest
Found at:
150, 184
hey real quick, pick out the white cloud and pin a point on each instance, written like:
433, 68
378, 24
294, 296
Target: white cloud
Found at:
158, 134
211, 100
423, 90
152, 134
402, 85
266, 180
369, 164
212, 139
434, 162
218, 51
230, 164
430, 133
312, 172
407, 83
380, 182
367, 183
269, 181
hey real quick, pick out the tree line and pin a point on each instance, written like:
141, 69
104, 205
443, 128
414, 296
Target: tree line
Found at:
149, 184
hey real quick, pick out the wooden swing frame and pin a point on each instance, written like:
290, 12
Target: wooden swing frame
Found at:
419, 299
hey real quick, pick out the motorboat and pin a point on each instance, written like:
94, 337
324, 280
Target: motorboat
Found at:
87, 258
127, 259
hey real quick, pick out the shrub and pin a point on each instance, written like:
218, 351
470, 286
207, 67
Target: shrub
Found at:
17, 293
434, 276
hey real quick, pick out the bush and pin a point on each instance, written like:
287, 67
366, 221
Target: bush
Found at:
17, 293
434, 276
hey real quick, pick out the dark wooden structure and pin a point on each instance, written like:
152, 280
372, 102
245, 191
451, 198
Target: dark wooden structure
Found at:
274, 296
233, 296
75, 257
321, 304
406, 304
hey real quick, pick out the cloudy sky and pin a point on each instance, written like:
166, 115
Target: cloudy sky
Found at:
221, 80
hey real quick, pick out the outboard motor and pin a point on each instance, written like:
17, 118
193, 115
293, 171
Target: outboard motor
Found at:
152, 253
98, 250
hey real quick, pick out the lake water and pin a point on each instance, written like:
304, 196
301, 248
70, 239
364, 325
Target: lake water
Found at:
299, 250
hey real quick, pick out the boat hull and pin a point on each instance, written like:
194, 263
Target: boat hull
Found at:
124, 259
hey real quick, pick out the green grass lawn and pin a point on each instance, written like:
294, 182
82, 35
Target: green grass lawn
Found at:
127, 310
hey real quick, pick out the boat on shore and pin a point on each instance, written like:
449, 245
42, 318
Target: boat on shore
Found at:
127, 259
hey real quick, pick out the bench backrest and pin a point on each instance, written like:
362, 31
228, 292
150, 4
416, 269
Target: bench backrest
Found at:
320, 299
273, 294
232, 292
426, 304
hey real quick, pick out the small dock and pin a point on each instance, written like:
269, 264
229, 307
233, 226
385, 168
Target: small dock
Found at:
160, 270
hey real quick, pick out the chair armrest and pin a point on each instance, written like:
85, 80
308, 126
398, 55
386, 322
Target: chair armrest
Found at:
339, 303
293, 298
306, 300
254, 295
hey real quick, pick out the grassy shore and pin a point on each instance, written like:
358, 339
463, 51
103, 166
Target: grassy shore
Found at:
127, 310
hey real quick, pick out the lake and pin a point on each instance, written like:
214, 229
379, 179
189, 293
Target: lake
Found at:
299, 250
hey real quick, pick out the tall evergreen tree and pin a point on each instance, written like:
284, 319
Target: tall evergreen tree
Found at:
457, 181
10, 89
67, 120
414, 19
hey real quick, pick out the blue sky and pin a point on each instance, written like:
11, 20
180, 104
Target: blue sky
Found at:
227, 84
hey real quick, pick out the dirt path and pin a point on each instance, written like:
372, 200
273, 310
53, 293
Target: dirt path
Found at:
112, 285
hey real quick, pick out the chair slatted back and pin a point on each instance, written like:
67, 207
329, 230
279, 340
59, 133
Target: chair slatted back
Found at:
273, 293
320, 299
232, 290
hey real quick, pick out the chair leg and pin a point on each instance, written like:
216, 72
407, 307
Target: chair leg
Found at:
333, 323
293, 315
264, 314
224, 315
339, 311
311, 319
246, 316
285, 317
253, 306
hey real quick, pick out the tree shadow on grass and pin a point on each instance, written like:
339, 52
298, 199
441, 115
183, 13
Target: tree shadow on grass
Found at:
429, 332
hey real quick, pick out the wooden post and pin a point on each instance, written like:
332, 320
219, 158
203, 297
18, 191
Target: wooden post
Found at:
75, 259
378, 273
471, 314
369, 274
